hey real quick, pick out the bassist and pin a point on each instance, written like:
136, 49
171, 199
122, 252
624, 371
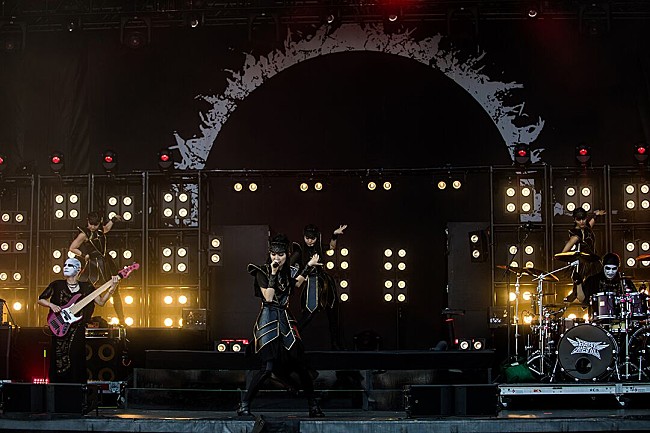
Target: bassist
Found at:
68, 352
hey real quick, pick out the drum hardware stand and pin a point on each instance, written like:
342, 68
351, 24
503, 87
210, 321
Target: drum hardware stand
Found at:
544, 330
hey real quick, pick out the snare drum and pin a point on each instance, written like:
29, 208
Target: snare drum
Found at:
604, 307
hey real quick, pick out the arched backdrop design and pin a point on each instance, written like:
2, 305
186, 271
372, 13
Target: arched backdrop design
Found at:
498, 99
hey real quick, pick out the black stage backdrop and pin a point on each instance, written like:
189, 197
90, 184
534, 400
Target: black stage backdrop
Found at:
83, 92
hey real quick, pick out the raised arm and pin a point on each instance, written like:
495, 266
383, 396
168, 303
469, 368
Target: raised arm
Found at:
76, 244
310, 265
109, 225
335, 235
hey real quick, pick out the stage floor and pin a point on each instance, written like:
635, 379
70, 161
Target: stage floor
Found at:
121, 420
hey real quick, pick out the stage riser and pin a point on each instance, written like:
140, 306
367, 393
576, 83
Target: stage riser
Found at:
367, 389
52, 398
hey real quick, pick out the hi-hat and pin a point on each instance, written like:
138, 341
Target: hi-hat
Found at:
528, 271
570, 256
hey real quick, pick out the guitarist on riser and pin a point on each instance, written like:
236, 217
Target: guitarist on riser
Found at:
68, 351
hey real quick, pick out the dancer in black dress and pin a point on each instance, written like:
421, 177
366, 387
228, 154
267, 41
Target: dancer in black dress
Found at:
90, 245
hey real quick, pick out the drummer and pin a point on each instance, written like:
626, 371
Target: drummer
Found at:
583, 239
608, 280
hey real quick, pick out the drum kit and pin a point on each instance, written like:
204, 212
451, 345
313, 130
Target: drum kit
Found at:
612, 342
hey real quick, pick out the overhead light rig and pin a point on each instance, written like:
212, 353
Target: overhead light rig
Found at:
97, 15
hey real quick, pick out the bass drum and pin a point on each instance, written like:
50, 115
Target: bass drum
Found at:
587, 352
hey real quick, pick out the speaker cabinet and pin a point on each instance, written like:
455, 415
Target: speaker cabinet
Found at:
104, 359
451, 400
65, 398
23, 397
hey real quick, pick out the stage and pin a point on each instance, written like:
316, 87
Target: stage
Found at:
113, 420
176, 391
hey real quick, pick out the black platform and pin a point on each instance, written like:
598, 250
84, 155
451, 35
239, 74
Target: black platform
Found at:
328, 360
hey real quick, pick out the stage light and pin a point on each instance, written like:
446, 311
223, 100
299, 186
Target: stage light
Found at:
478, 246
128, 299
109, 161
344, 290
17, 306
56, 162
238, 186
522, 154
168, 322
3, 162
128, 321
215, 251
135, 32
372, 186
165, 159
464, 344
583, 154
641, 152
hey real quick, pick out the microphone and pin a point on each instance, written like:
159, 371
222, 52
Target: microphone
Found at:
275, 264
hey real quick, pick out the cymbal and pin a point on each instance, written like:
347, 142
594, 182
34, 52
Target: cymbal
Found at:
642, 257
570, 256
528, 271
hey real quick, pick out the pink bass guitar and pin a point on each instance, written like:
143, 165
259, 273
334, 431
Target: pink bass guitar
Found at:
60, 322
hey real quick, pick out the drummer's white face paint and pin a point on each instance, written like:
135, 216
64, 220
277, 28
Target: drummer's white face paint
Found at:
610, 271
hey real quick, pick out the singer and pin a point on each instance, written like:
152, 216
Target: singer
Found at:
277, 342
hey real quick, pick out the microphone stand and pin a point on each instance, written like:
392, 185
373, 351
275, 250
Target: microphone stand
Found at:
506, 272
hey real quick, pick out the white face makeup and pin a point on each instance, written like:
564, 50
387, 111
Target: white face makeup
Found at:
610, 271
70, 268
310, 241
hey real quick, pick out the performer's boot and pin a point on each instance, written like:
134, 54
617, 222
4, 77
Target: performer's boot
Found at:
314, 409
571, 296
258, 379
243, 409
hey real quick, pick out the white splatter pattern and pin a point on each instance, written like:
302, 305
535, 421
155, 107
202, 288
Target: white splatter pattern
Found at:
491, 95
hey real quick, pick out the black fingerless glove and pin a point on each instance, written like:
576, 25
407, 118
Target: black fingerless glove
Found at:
305, 272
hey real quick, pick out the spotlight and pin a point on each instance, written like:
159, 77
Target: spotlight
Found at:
478, 245
478, 344
641, 152
194, 20
165, 159
135, 32
522, 154
56, 162
583, 154
109, 160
